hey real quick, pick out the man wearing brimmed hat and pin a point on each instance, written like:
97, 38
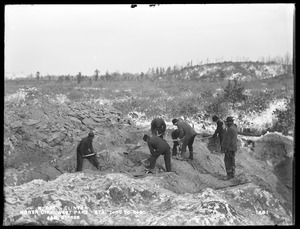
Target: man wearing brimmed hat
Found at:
186, 135
85, 150
158, 127
229, 147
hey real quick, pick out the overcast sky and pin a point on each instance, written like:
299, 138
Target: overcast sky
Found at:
67, 39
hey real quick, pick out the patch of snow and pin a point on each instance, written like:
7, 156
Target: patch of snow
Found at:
280, 134
187, 93
20, 95
16, 97
248, 92
229, 68
265, 118
61, 98
258, 73
124, 99
200, 126
102, 101
274, 69
235, 75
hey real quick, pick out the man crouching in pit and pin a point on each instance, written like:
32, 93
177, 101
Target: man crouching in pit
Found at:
157, 147
85, 150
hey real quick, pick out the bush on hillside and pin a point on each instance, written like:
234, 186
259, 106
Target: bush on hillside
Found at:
207, 94
217, 106
75, 95
183, 106
258, 101
188, 107
285, 118
234, 92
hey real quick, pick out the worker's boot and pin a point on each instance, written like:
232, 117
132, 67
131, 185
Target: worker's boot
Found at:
229, 176
151, 171
232, 174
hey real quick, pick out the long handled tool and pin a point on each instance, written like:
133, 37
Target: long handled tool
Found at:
134, 148
205, 138
177, 140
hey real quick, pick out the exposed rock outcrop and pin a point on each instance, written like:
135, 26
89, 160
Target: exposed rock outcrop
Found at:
40, 129
90, 198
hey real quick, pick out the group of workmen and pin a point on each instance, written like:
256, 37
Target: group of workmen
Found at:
183, 137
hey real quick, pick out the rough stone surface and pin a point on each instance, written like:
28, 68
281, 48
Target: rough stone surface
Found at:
90, 198
274, 148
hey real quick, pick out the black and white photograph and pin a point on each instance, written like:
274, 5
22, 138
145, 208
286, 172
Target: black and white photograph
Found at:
149, 114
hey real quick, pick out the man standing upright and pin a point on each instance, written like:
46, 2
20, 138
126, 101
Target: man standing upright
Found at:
158, 127
229, 147
186, 135
85, 150
219, 132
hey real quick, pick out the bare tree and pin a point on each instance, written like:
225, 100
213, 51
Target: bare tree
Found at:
96, 74
79, 78
287, 59
37, 75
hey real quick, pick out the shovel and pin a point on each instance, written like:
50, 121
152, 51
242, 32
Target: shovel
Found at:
205, 138
134, 148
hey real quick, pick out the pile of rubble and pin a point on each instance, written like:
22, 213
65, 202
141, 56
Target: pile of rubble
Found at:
39, 129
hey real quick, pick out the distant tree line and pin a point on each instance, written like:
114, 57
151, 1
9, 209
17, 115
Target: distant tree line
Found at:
154, 73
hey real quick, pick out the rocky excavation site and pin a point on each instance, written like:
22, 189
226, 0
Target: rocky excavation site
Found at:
41, 187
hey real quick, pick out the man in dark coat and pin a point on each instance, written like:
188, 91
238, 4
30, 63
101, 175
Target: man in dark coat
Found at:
158, 127
157, 147
186, 135
219, 132
229, 147
175, 135
85, 150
